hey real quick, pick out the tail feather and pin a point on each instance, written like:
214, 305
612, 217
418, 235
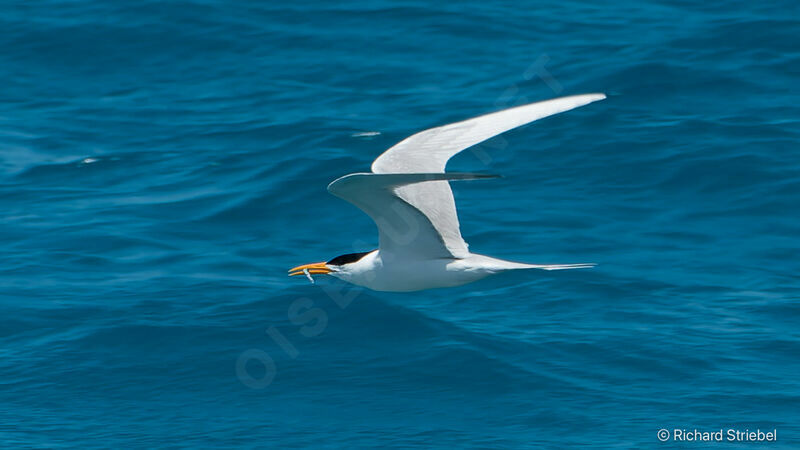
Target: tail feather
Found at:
502, 264
561, 266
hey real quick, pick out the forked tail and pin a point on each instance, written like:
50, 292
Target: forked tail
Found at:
560, 266
502, 264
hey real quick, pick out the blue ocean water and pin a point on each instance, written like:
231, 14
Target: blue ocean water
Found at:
164, 163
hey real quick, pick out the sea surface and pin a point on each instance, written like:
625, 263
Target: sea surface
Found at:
162, 165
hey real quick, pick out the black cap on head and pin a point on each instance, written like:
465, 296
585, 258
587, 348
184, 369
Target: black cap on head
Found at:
347, 259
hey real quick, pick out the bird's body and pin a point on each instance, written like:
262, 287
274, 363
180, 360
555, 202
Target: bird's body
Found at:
408, 196
380, 273
413, 274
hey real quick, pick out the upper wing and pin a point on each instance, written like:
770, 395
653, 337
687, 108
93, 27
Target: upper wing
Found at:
402, 228
428, 151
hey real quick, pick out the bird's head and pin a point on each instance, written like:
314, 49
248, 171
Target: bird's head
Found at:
338, 267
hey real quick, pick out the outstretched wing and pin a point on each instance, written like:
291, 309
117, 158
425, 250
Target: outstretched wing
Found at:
403, 229
428, 152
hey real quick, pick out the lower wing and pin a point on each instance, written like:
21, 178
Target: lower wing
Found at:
403, 229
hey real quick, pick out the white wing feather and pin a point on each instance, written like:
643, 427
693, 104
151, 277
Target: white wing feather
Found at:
403, 229
428, 152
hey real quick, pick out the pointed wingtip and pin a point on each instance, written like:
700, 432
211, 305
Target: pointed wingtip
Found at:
589, 97
575, 101
596, 96
456, 176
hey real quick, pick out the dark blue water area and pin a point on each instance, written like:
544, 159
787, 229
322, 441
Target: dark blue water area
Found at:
162, 164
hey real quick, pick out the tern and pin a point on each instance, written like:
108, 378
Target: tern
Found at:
408, 196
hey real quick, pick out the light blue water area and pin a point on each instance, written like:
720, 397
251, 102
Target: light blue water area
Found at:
163, 164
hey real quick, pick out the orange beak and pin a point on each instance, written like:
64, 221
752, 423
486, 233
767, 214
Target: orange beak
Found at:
319, 268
